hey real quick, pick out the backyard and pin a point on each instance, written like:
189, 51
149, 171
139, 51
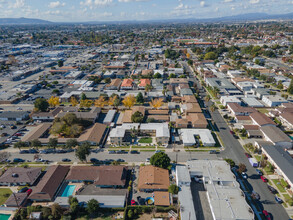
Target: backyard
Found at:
4, 195
146, 140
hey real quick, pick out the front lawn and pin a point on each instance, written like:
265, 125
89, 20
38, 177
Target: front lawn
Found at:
147, 140
4, 195
279, 186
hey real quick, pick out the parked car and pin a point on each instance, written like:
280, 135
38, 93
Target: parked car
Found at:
94, 160
134, 152
244, 175
121, 152
24, 152
33, 151
29, 191
66, 160
255, 195
259, 172
264, 179
147, 160
213, 152
158, 151
272, 189
112, 152
120, 160
266, 214
61, 151
278, 200
18, 160
23, 190
247, 155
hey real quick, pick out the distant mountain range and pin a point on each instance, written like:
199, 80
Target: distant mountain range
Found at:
9, 21
234, 18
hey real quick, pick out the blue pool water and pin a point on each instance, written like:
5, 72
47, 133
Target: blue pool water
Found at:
68, 191
4, 216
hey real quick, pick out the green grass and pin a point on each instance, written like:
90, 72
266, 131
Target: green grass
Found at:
147, 150
287, 197
279, 186
145, 140
4, 195
268, 171
263, 110
284, 183
257, 157
138, 147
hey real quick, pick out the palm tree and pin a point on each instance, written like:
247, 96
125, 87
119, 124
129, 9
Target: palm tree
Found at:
207, 98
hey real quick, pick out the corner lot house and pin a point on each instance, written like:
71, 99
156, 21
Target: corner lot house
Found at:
276, 136
19, 176
153, 178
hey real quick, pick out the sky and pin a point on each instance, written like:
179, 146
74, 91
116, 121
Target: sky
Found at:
118, 10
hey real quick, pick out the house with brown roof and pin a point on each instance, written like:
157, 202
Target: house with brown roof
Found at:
16, 200
153, 178
127, 84
20, 176
46, 116
177, 81
50, 184
189, 99
287, 119
261, 119
143, 83
190, 108
161, 115
162, 198
237, 109
114, 85
192, 120
101, 176
147, 72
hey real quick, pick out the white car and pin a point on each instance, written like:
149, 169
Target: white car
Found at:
147, 160
19, 108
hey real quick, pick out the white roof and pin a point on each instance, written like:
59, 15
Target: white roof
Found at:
182, 174
230, 99
120, 130
110, 116
253, 102
225, 197
188, 136
186, 203
162, 129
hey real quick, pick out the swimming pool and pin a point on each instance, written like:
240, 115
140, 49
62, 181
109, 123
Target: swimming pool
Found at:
68, 191
4, 216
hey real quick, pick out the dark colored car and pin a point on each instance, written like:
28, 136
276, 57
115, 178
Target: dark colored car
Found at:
94, 160
213, 152
120, 160
134, 152
18, 160
66, 160
272, 189
112, 152
23, 190
121, 152
33, 151
24, 152
259, 172
61, 151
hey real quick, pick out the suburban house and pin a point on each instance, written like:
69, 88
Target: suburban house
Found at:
192, 120
47, 116
287, 119
273, 100
143, 83
14, 115
20, 176
91, 115
114, 85
261, 119
192, 137
225, 100
50, 184
237, 109
152, 179
127, 84
276, 136
161, 115
101, 176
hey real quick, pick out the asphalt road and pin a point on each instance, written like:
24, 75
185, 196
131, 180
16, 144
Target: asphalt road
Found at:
182, 157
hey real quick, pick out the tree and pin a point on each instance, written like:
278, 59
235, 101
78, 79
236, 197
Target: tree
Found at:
74, 206
213, 107
41, 104
241, 168
230, 162
129, 101
83, 151
210, 56
56, 211
190, 62
156, 103
174, 189
54, 101
20, 144
130, 214
160, 160
290, 88
86, 103
157, 75
53, 142
111, 100
100, 102
56, 91
36, 143
71, 143
172, 75
148, 87
73, 101
107, 80
60, 63
92, 206
83, 96
116, 102
137, 117
139, 98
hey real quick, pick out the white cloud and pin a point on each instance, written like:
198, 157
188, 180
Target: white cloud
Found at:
227, 1
133, 0
56, 4
254, 1
202, 3
91, 3
18, 4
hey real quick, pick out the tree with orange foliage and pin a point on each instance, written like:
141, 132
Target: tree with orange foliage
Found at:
86, 103
129, 101
73, 101
100, 102
112, 100
54, 101
156, 103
